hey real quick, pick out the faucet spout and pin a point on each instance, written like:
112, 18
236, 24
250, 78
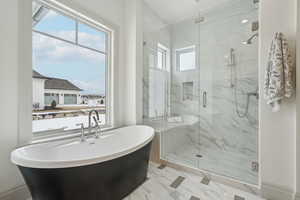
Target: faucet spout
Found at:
90, 119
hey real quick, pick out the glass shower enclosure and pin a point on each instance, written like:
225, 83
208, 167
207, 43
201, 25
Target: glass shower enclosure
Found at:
201, 90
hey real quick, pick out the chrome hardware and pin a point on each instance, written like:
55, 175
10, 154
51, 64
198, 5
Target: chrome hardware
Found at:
95, 120
255, 26
82, 138
98, 128
204, 99
255, 166
255, 94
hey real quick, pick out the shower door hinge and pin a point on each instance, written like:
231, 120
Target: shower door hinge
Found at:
255, 26
255, 166
204, 96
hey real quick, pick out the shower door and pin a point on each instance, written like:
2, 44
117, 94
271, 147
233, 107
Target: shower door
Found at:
204, 102
156, 76
228, 91
180, 136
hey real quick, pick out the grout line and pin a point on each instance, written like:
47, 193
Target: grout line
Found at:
177, 182
205, 180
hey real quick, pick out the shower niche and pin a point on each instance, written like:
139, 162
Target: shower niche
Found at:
201, 93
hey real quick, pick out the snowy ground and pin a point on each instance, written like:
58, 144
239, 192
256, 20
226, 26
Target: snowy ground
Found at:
57, 123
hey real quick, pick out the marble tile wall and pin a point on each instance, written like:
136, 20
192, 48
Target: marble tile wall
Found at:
155, 81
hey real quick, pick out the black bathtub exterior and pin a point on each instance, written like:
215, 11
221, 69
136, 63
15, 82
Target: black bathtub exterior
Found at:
110, 180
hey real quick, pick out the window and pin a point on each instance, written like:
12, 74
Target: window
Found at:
49, 98
70, 99
56, 25
71, 70
186, 59
161, 57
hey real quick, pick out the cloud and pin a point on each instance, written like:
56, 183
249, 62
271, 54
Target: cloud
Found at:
90, 87
49, 48
50, 14
93, 41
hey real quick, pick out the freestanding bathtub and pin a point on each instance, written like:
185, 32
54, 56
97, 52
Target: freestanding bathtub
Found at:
108, 168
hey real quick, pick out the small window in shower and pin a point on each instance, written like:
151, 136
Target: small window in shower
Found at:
186, 58
188, 88
161, 57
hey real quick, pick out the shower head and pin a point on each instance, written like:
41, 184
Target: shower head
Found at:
249, 41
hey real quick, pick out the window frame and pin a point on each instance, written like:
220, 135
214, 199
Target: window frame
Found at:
109, 54
184, 50
163, 51
77, 20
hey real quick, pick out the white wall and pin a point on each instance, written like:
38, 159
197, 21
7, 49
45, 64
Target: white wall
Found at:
277, 130
151, 21
9, 177
133, 62
298, 108
16, 73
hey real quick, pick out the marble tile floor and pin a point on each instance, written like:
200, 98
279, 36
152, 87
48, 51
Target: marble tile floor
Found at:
158, 187
233, 164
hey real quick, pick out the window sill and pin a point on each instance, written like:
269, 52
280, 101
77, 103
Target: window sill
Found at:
75, 134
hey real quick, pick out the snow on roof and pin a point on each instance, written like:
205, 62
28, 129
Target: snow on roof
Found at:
60, 84
55, 83
35, 74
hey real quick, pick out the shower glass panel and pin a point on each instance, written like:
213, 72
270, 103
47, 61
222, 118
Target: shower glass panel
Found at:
182, 124
156, 75
228, 85
201, 90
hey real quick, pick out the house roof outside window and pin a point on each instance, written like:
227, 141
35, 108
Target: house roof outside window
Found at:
56, 83
35, 74
60, 84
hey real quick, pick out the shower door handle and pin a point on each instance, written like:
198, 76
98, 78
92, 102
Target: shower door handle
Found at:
204, 100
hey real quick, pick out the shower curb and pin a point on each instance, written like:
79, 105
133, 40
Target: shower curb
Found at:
253, 189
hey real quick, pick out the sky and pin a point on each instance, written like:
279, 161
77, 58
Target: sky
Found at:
55, 58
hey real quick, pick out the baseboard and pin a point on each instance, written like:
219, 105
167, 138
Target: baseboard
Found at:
273, 192
18, 193
297, 196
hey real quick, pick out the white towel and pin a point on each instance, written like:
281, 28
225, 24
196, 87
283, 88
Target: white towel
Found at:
279, 73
